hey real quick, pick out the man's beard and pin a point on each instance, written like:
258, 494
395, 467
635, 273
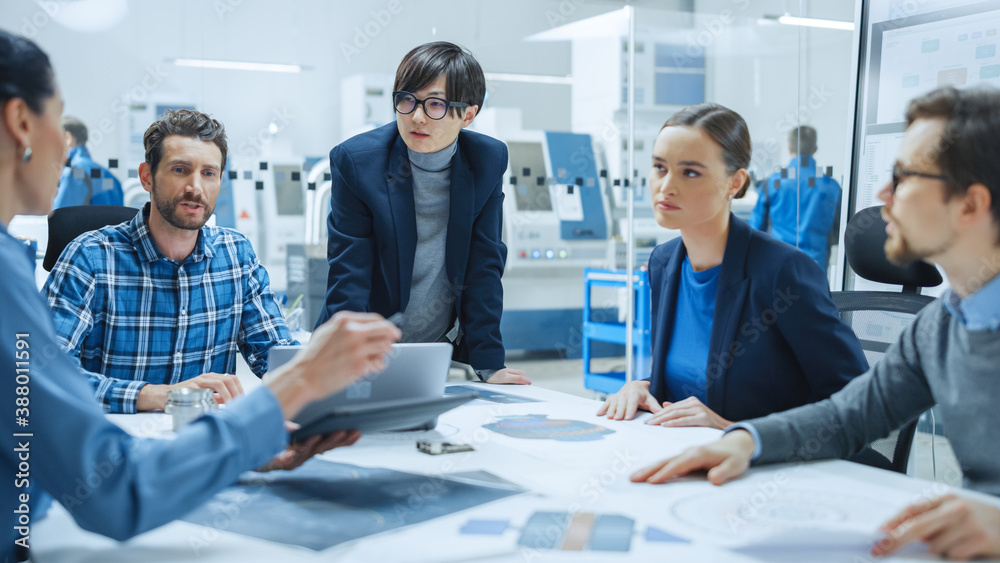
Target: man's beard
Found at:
899, 251
168, 210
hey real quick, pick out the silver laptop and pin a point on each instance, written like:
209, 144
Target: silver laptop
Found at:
412, 371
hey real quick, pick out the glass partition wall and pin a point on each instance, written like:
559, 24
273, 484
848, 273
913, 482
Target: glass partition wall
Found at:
577, 89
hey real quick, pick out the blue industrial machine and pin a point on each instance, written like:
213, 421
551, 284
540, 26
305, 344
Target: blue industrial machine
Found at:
556, 224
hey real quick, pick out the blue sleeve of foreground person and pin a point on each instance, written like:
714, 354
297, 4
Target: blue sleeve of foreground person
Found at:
63, 446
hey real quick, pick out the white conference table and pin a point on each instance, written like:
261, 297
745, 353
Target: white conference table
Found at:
830, 509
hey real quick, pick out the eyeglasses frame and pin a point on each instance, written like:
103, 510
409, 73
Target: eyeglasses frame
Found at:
418, 102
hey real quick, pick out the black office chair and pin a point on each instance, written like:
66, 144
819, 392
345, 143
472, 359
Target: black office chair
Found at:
67, 223
878, 317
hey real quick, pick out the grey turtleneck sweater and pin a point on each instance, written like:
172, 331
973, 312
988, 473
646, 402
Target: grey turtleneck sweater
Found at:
428, 312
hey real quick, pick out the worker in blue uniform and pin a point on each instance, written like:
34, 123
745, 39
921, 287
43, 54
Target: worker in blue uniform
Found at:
83, 181
796, 205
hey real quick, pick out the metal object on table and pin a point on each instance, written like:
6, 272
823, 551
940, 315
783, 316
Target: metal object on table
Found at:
434, 447
187, 404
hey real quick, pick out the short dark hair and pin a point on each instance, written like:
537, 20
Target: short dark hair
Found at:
76, 128
802, 140
186, 123
726, 127
25, 72
464, 80
968, 148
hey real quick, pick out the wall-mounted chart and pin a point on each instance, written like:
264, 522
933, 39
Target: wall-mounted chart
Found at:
908, 49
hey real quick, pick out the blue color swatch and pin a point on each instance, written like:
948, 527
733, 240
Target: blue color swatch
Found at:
658, 535
485, 527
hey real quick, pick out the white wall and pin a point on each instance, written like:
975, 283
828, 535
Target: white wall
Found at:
99, 71
765, 72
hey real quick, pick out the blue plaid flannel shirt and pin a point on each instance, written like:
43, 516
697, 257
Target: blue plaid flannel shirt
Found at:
131, 316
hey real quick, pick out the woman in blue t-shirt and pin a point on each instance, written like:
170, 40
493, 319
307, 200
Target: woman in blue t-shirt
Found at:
742, 325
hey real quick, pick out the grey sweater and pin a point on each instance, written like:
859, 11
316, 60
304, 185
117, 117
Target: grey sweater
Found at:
936, 360
429, 310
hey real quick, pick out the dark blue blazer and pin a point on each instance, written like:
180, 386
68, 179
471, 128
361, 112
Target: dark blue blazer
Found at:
777, 339
373, 235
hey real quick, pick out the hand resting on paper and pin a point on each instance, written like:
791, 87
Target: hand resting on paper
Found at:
689, 412
725, 459
953, 527
633, 396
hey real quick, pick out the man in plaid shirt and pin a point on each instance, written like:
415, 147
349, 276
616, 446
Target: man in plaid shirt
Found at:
163, 301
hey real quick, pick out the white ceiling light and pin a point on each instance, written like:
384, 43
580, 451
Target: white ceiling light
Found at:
84, 16
812, 22
533, 78
238, 65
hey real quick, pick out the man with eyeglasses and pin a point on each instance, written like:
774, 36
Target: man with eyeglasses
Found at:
943, 205
416, 214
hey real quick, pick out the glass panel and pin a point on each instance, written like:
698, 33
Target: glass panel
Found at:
290, 84
825, 111
757, 59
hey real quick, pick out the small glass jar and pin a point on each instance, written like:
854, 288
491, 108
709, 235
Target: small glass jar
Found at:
187, 404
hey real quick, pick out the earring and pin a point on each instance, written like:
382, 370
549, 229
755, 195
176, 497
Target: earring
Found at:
730, 197
27, 155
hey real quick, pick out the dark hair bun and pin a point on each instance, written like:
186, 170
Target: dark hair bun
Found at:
726, 127
25, 72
